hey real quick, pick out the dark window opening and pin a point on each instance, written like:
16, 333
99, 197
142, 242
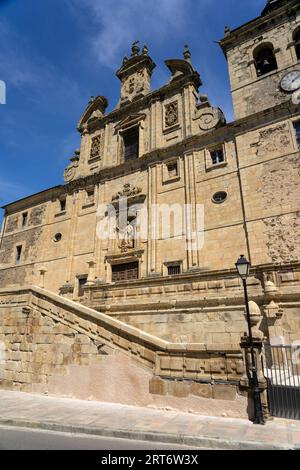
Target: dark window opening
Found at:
18, 253
131, 144
125, 271
63, 204
174, 269
24, 219
81, 283
172, 169
297, 132
296, 38
90, 195
217, 156
219, 197
265, 60
57, 237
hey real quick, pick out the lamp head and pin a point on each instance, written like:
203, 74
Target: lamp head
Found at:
243, 267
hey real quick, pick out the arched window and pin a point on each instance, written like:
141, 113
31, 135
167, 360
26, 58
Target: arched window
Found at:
265, 60
296, 38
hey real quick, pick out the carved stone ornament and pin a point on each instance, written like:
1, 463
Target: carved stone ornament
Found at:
96, 147
70, 171
207, 116
171, 114
126, 236
127, 191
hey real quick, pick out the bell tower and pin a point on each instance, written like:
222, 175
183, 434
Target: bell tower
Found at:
262, 55
135, 74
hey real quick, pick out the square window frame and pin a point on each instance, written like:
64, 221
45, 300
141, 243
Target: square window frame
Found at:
168, 264
166, 178
209, 165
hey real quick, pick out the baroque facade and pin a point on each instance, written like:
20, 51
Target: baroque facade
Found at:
172, 302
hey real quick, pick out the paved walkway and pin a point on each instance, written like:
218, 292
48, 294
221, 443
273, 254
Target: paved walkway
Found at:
106, 419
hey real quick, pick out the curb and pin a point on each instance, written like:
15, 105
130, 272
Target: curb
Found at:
209, 443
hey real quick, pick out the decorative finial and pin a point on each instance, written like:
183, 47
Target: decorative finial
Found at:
135, 48
125, 60
203, 98
91, 99
145, 50
227, 31
187, 53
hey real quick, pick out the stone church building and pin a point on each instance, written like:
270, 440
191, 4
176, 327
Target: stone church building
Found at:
158, 318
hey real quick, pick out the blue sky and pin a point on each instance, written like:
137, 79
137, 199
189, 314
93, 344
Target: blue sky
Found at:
55, 54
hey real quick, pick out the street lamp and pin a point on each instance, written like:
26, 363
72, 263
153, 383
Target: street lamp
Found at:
243, 268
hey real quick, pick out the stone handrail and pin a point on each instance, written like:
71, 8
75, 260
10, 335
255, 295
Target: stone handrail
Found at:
179, 360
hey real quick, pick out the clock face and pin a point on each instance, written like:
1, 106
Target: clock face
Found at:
291, 81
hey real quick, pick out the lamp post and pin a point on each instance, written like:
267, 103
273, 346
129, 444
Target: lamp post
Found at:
243, 268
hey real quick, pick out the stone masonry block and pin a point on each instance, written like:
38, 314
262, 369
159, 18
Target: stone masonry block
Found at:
158, 386
224, 392
201, 390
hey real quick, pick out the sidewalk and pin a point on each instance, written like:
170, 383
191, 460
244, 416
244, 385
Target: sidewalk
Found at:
122, 421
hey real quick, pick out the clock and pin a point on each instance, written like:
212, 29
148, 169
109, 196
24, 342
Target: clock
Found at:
291, 81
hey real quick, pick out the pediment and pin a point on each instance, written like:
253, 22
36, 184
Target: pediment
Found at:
95, 110
131, 120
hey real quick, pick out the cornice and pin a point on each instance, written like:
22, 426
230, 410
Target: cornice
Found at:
191, 143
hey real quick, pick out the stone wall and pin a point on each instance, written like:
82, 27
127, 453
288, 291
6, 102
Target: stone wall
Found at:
52, 345
205, 307
252, 94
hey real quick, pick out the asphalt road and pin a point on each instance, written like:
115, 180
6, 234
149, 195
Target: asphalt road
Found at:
12, 438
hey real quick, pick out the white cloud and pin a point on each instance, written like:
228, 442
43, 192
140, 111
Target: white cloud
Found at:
120, 22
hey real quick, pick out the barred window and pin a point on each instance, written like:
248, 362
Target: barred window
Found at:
174, 269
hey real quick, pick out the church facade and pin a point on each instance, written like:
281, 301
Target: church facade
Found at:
164, 195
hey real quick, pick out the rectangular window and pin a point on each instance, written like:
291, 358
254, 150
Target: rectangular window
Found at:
63, 204
217, 156
174, 269
24, 219
90, 196
125, 272
131, 144
172, 169
18, 253
81, 283
297, 132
